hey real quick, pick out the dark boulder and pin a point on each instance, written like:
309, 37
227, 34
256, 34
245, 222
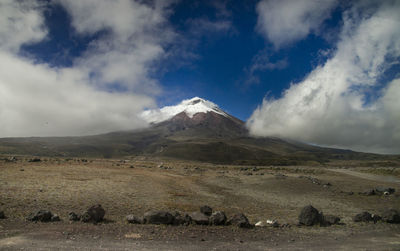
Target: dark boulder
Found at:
158, 217
391, 216
180, 219
206, 210
2, 215
363, 217
385, 190
309, 216
199, 218
73, 216
55, 217
218, 218
134, 219
93, 214
41, 215
330, 220
239, 220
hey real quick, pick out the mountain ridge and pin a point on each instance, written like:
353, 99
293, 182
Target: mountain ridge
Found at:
195, 129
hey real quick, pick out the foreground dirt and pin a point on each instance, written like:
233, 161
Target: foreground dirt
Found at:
135, 186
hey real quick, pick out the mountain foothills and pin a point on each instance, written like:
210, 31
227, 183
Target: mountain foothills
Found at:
195, 129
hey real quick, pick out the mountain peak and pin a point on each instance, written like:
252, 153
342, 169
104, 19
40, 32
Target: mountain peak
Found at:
189, 106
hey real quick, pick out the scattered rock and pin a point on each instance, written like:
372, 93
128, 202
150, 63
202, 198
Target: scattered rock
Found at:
391, 216
206, 210
330, 220
260, 224
363, 217
34, 160
22, 169
2, 215
158, 217
40, 215
312, 179
239, 220
273, 223
309, 216
376, 218
134, 219
218, 218
11, 159
131, 167
55, 217
180, 219
93, 214
73, 216
280, 176
199, 218
385, 190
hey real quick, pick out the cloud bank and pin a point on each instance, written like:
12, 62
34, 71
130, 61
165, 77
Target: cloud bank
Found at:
331, 106
39, 100
285, 21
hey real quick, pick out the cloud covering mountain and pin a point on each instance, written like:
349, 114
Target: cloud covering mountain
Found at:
333, 105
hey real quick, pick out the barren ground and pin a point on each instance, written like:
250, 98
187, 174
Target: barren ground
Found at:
62, 186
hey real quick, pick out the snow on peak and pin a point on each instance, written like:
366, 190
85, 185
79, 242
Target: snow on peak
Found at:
189, 106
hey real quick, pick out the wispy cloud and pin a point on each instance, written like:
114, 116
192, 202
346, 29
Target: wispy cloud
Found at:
262, 62
329, 107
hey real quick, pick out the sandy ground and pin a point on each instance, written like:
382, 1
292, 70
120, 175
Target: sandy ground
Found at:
62, 186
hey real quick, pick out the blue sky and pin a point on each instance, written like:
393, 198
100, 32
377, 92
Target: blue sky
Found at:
319, 71
218, 70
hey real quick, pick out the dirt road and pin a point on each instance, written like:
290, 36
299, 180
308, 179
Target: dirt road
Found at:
368, 176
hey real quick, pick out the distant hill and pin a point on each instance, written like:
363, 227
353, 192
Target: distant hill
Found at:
195, 130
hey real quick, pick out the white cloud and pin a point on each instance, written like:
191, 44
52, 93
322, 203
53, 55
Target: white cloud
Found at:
329, 106
285, 21
136, 35
38, 100
20, 23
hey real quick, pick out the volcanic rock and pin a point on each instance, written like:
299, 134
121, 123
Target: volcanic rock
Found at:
40, 215
134, 219
363, 217
93, 214
180, 219
309, 216
206, 210
73, 216
239, 220
158, 217
218, 218
199, 218
391, 216
330, 220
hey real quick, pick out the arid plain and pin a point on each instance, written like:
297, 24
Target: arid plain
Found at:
137, 185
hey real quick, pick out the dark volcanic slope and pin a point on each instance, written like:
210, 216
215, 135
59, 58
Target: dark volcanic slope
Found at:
209, 137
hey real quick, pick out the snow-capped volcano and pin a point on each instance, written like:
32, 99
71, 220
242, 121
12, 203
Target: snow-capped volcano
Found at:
188, 106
